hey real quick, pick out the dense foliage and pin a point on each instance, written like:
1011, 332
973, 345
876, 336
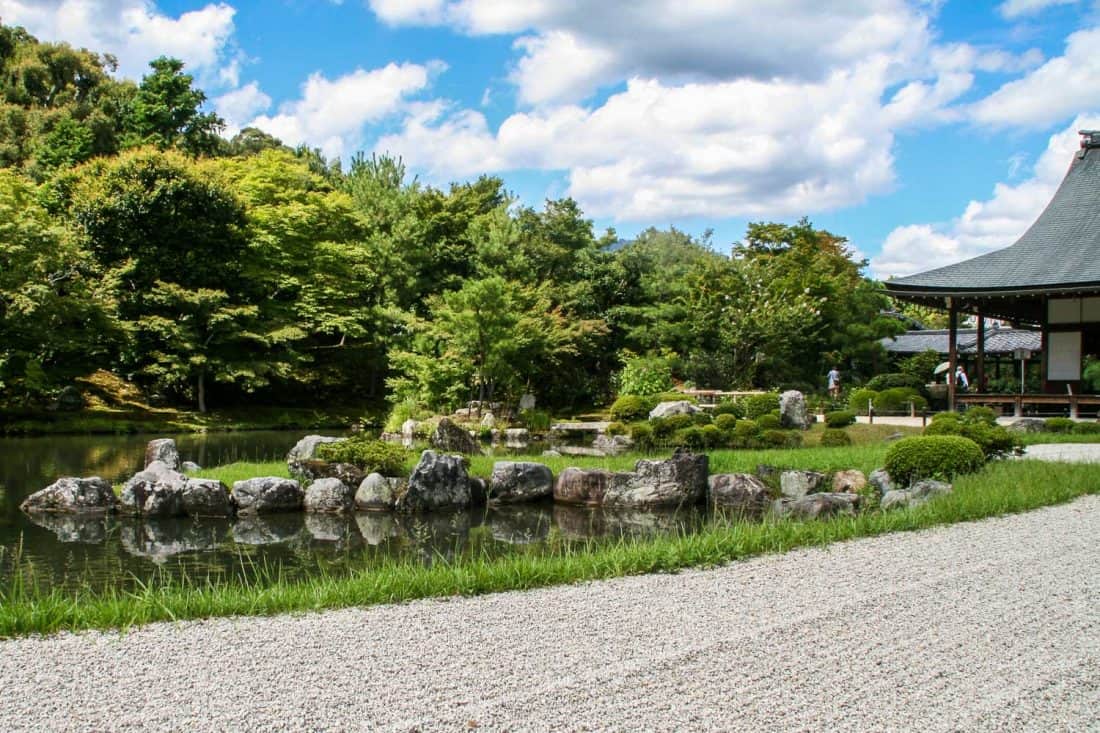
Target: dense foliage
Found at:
932, 456
979, 424
369, 455
134, 239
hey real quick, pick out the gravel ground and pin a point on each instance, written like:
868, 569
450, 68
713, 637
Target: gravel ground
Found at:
986, 626
1068, 452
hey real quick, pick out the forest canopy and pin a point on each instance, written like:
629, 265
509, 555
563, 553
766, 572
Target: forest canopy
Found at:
135, 239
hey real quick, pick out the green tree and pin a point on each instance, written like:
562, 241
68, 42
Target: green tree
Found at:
165, 112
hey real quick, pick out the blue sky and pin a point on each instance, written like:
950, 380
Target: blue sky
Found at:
926, 131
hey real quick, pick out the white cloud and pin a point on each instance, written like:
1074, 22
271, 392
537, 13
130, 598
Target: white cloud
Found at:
135, 32
1012, 9
240, 105
331, 113
987, 225
1061, 87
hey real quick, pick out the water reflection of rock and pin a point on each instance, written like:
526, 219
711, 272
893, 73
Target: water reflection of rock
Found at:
519, 524
582, 523
267, 529
159, 539
377, 527
339, 528
83, 529
436, 533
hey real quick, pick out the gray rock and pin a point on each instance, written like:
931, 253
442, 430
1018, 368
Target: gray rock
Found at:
895, 498
881, 481
589, 485
679, 481
849, 482
677, 407
207, 497
1027, 425
314, 469
378, 493
797, 484
817, 506
71, 495
551, 453
163, 450
613, 445
915, 495
488, 420
451, 437
479, 491
741, 492
792, 411
438, 481
267, 495
306, 450
329, 495
156, 491
513, 481
527, 401
190, 466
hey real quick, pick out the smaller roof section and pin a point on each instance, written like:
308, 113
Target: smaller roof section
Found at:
997, 341
1059, 253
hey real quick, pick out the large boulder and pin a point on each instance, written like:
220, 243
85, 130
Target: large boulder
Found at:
589, 485
915, 495
849, 482
741, 492
439, 481
163, 450
378, 493
329, 495
72, 495
793, 414
675, 407
1027, 425
207, 497
881, 480
156, 491
679, 481
817, 506
314, 469
450, 437
797, 484
306, 450
267, 495
515, 481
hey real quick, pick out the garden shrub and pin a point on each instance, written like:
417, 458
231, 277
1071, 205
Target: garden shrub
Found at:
746, 434
833, 437
371, 456
642, 435
689, 438
617, 428
859, 399
981, 414
729, 407
1087, 428
897, 399
932, 456
702, 418
537, 421
756, 405
725, 421
1059, 425
994, 440
632, 407
665, 427
713, 437
769, 422
840, 418
894, 380
645, 375
782, 438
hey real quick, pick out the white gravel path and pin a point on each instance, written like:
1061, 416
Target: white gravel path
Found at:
986, 626
1065, 452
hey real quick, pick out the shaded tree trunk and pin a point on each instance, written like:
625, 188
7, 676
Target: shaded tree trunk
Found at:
202, 391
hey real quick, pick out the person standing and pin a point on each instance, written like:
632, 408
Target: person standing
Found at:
834, 383
962, 383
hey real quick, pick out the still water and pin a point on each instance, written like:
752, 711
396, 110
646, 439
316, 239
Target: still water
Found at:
72, 551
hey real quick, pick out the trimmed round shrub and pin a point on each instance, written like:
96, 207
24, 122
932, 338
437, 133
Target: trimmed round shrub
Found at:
980, 413
897, 399
702, 418
371, 456
729, 407
632, 407
756, 405
932, 456
1059, 425
617, 428
768, 422
781, 438
642, 435
713, 437
840, 418
746, 434
1087, 428
859, 399
664, 427
994, 440
689, 438
725, 421
834, 437
894, 380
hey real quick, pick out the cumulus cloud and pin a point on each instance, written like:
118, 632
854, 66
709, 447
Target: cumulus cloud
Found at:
986, 225
241, 105
1013, 9
135, 32
331, 113
1061, 87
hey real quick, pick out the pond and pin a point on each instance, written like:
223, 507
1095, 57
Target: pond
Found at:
71, 551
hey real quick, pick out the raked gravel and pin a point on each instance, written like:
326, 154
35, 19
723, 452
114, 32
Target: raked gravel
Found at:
992, 625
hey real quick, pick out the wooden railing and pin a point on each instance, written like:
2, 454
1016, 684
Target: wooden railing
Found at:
1072, 401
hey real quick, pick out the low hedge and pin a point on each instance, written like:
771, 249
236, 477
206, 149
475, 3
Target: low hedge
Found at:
859, 399
1087, 428
932, 456
1059, 425
632, 407
840, 418
994, 440
371, 456
835, 437
756, 405
897, 399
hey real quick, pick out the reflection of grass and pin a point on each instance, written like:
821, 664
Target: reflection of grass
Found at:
27, 607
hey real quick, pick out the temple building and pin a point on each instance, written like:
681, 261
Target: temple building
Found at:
1049, 280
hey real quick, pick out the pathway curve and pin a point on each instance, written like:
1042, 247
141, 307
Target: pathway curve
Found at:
992, 625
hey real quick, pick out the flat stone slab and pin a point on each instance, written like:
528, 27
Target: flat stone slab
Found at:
591, 427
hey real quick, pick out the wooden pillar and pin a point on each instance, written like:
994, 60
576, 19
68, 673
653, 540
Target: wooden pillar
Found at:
952, 350
980, 371
1044, 344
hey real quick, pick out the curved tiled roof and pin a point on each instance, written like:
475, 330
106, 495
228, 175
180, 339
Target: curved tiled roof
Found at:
997, 341
1061, 250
